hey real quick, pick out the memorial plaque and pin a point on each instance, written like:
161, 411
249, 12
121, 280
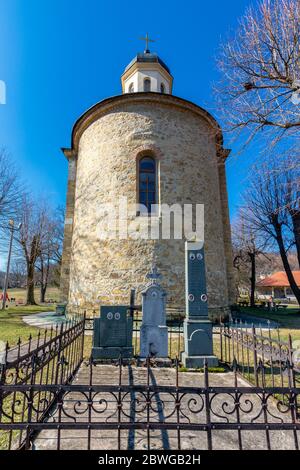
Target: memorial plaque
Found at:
196, 295
113, 333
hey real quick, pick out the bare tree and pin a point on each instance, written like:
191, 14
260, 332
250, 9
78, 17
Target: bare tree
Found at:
10, 189
261, 70
43, 264
268, 202
51, 249
269, 262
246, 249
17, 276
34, 222
293, 196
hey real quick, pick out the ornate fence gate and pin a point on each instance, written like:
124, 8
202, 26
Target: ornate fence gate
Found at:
109, 407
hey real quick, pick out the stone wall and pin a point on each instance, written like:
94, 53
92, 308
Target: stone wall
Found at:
109, 144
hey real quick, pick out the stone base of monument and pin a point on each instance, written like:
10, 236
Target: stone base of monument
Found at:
155, 362
197, 362
154, 341
198, 344
111, 353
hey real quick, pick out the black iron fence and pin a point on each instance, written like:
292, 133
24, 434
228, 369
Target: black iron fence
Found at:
261, 356
132, 410
42, 406
53, 357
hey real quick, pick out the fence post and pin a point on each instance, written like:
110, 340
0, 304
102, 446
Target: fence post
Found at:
207, 406
234, 337
221, 341
58, 365
229, 342
293, 376
225, 343
132, 301
83, 333
291, 368
3, 364
255, 355
3, 367
34, 362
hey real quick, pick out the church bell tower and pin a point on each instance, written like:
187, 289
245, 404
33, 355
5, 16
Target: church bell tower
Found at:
147, 73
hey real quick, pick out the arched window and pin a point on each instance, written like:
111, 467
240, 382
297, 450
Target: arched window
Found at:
131, 88
147, 84
162, 88
147, 182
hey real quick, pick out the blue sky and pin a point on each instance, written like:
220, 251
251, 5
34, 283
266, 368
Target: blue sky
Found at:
59, 57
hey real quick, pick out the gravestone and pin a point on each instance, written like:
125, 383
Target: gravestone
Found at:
60, 309
198, 343
113, 333
154, 332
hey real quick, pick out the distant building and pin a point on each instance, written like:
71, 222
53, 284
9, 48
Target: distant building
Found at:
277, 286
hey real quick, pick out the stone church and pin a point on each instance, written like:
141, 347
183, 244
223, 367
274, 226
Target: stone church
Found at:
151, 147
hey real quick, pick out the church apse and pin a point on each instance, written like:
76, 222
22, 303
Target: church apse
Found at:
102, 272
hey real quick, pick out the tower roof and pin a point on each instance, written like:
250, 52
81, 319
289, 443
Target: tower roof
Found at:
147, 57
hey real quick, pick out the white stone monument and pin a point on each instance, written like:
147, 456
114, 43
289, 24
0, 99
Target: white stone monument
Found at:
154, 332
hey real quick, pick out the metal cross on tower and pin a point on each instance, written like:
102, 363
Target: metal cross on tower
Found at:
147, 39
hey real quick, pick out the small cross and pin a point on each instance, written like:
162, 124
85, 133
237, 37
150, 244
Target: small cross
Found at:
147, 39
154, 274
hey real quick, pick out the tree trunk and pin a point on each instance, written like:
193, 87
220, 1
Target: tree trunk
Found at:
44, 268
285, 261
43, 293
30, 285
295, 215
252, 279
30, 271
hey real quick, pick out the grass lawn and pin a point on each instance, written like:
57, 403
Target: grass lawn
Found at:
289, 320
12, 326
20, 294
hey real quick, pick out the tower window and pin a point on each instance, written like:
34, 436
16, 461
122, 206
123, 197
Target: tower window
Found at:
162, 88
147, 182
147, 84
131, 88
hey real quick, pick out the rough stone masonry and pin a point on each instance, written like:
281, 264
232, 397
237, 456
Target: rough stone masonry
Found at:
107, 143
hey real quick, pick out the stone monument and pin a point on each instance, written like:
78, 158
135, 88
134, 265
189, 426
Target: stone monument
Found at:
154, 332
113, 333
198, 344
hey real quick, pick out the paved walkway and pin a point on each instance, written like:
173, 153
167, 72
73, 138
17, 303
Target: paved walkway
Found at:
259, 322
134, 408
44, 319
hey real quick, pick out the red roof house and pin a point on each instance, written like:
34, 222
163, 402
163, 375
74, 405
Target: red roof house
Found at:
278, 279
277, 285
